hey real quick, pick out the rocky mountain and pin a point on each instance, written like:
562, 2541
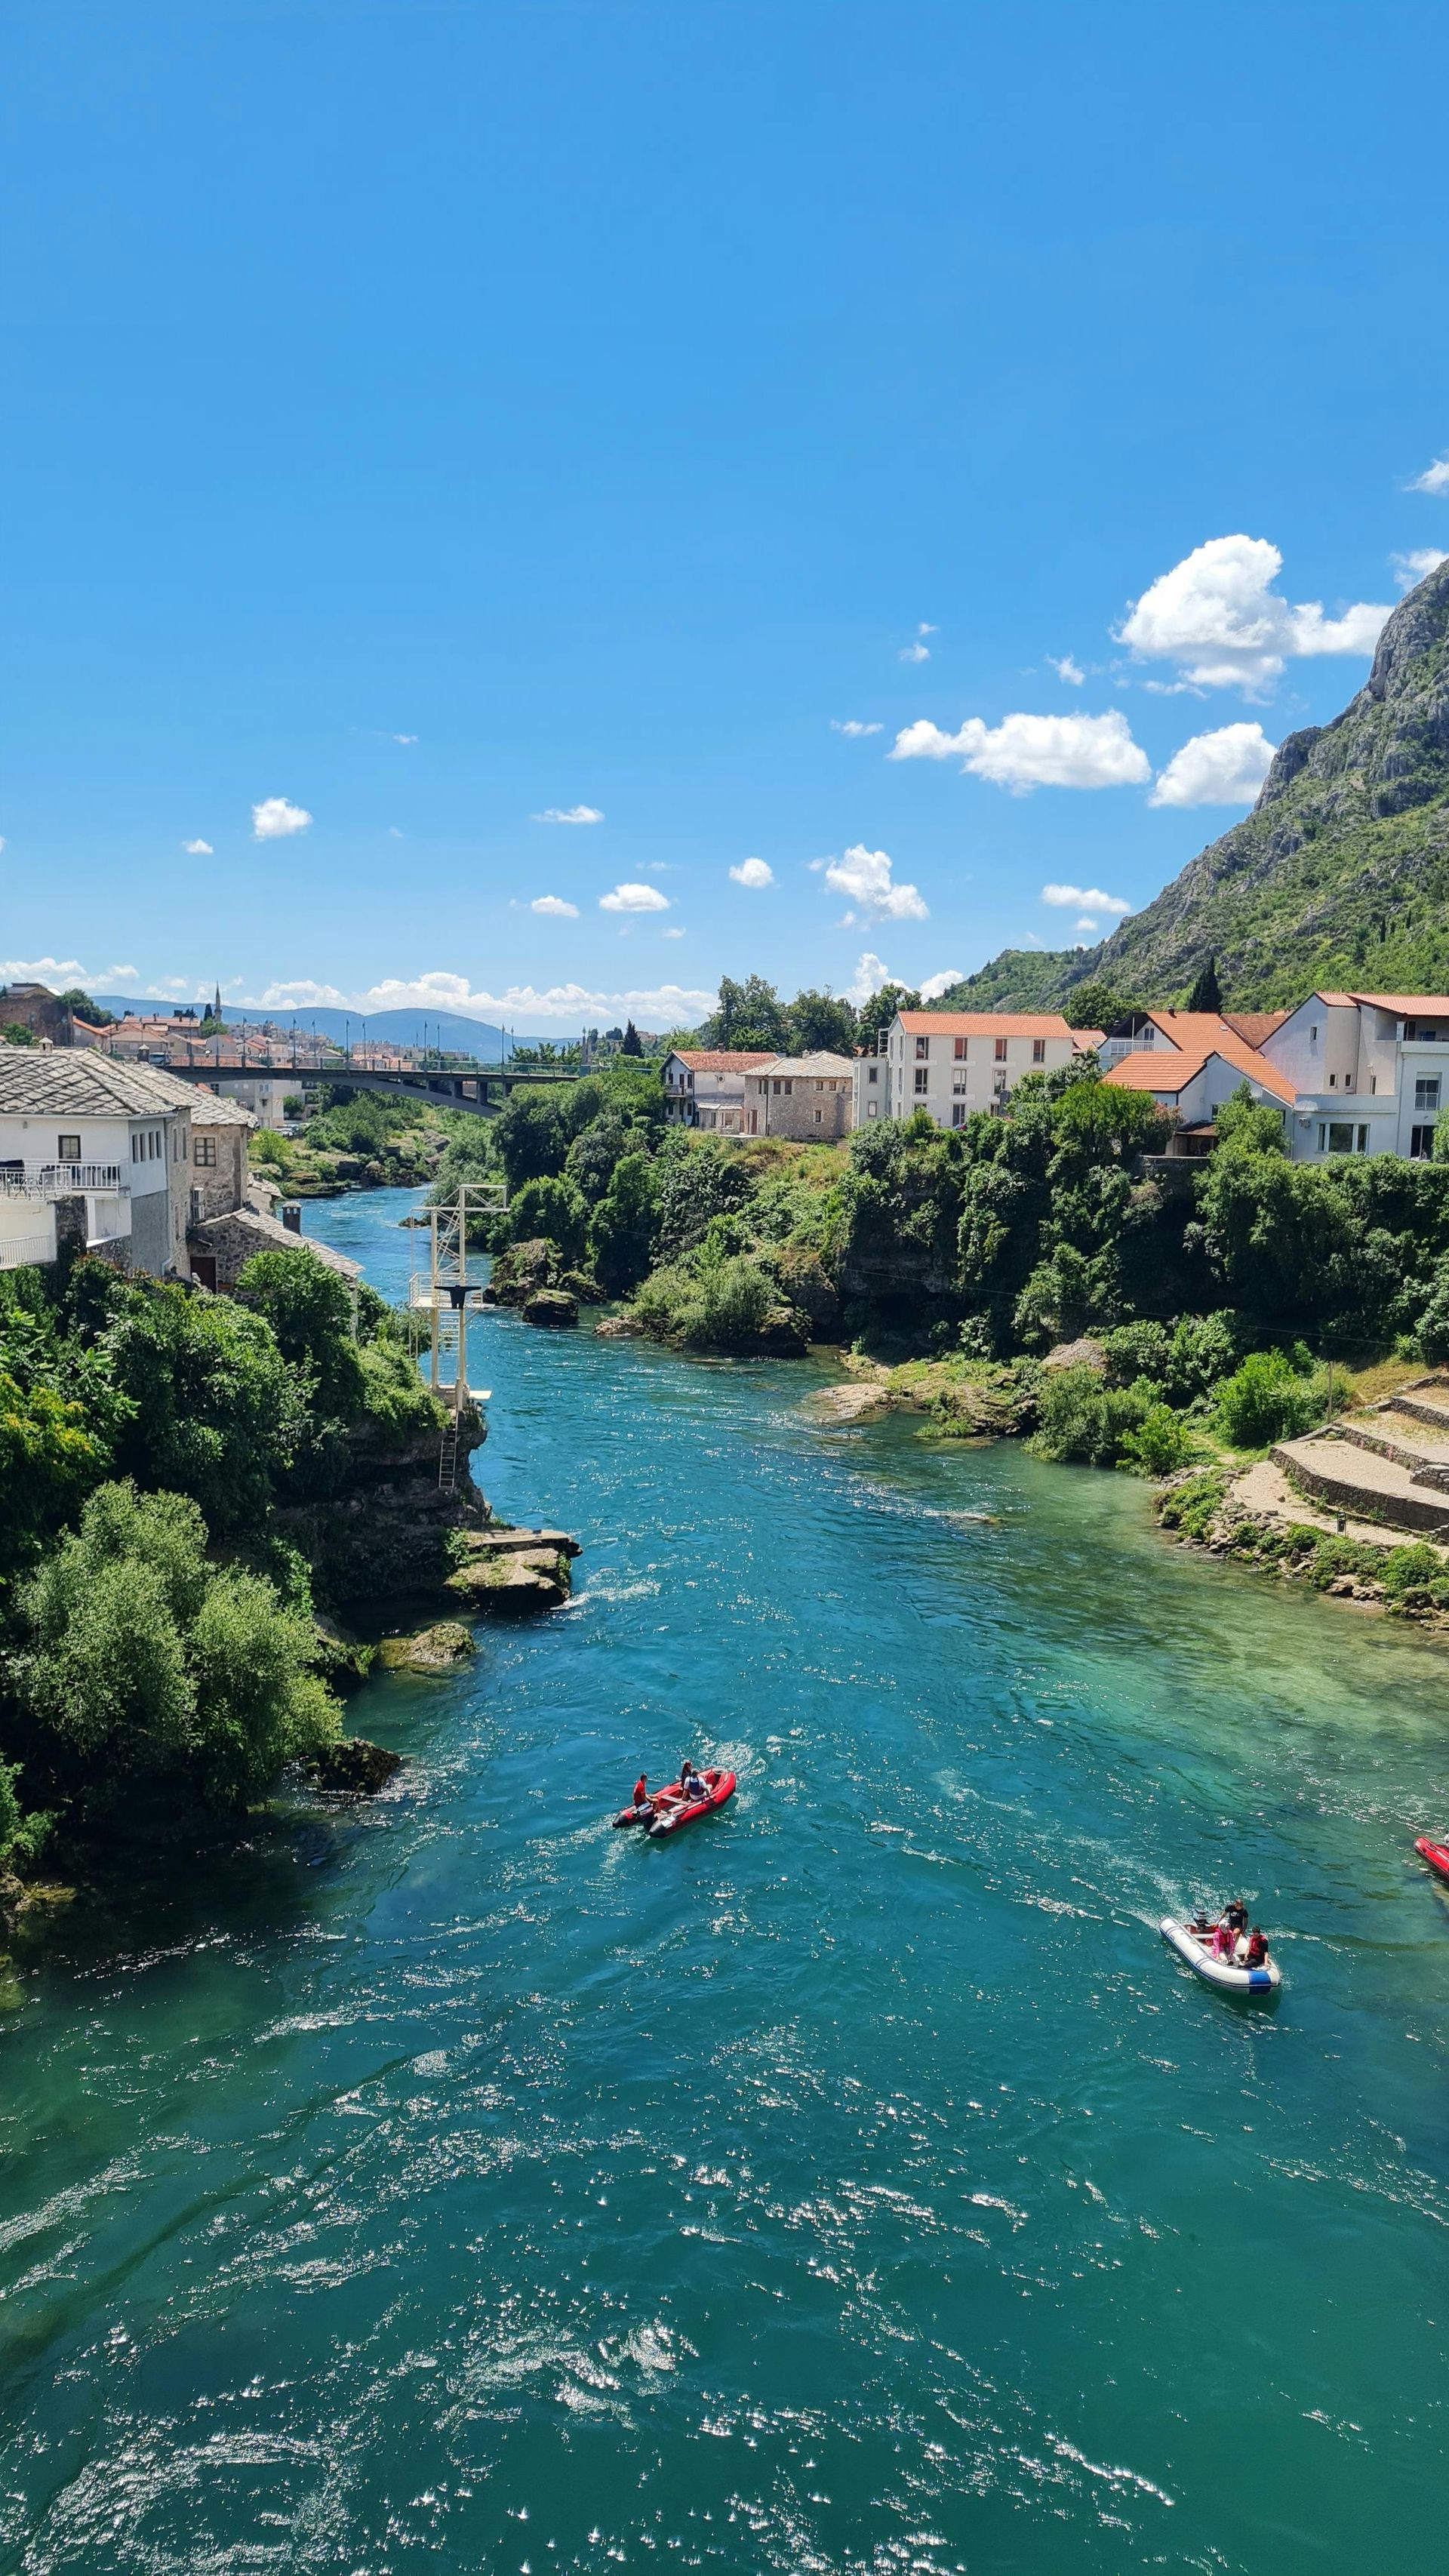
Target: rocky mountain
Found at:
1339, 876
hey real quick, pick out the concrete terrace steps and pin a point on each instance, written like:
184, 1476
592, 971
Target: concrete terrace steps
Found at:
1362, 1482
1395, 1436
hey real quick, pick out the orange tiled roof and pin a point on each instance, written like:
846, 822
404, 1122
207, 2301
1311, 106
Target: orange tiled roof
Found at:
1254, 1026
1146, 1070
987, 1024
1405, 1006
724, 1059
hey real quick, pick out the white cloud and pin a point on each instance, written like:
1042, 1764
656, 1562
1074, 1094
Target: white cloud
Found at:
1217, 615
931, 985
1023, 752
661, 1006
871, 972
405, 737
555, 906
1223, 768
1087, 923
1435, 477
46, 970
275, 818
1084, 898
1067, 669
865, 875
198, 850
926, 628
671, 933
752, 872
569, 814
1408, 569
634, 898
914, 653
852, 728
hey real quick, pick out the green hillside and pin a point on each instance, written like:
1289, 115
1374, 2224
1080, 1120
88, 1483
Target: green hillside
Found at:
1339, 876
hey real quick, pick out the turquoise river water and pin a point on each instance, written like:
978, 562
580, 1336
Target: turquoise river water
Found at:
854, 2182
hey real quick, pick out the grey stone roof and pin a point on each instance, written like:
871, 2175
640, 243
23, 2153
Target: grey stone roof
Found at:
41, 1081
56, 1081
837, 1066
264, 1234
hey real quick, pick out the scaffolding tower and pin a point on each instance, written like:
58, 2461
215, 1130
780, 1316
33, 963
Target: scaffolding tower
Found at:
441, 1293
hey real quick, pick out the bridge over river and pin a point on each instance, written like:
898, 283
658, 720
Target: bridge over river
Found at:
481, 1089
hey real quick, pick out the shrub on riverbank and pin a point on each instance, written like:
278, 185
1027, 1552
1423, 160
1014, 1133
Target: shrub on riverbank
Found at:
148, 1678
216, 1421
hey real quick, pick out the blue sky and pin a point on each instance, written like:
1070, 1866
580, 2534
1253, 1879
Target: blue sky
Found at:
424, 419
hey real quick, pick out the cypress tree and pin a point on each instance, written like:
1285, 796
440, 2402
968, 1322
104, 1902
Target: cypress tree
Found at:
1206, 994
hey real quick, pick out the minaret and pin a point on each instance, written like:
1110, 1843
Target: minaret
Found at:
216, 1004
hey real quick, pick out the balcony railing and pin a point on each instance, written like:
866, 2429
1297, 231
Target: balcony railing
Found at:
60, 1180
24, 1250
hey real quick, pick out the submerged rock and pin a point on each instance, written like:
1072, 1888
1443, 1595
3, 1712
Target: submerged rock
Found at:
439, 1649
352, 1768
620, 1328
556, 1308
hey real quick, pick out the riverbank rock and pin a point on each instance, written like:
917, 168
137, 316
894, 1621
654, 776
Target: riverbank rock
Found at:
520, 1272
620, 1328
858, 1403
352, 1768
439, 1649
513, 1570
1081, 1354
557, 1309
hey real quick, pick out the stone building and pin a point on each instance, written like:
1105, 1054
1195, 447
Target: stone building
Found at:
705, 1087
808, 1097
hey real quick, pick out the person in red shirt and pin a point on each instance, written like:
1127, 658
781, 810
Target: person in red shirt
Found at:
641, 1791
1257, 1948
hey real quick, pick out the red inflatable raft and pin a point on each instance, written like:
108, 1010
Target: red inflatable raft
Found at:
664, 1814
1436, 1854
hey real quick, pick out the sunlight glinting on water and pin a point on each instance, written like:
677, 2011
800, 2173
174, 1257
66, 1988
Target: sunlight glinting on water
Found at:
851, 2183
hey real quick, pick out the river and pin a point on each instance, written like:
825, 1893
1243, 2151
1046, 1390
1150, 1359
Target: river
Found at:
852, 2183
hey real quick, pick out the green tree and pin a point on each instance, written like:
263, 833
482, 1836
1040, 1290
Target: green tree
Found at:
1250, 1126
155, 1683
1096, 1005
550, 1207
1206, 994
310, 1309
621, 1232
1267, 1399
215, 1411
631, 1043
820, 1024
876, 1014
749, 1015
76, 999
532, 1136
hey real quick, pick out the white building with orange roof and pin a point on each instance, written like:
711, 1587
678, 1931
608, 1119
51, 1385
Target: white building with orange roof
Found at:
705, 1086
950, 1063
1352, 1073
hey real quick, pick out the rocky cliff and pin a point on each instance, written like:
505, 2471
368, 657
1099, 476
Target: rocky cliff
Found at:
1339, 876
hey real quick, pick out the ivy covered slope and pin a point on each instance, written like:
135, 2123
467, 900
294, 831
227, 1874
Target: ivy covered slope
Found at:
1339, 876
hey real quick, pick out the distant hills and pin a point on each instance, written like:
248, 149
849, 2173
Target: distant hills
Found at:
1339, 876
446, 1029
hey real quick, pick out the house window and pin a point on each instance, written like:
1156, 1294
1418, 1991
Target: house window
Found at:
923, 1048
960, 1050
67, 1149
872, 1109
1313, 1037
1038, 1050
1333, 1082
958, 1113
789, 1089
1426, 1091
777, 1091
819, 1114
923, 1077
204, 1151
1340, 1137
1363, 1140
959, 1081
874, 1074
1001, 1050
1421, 1144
